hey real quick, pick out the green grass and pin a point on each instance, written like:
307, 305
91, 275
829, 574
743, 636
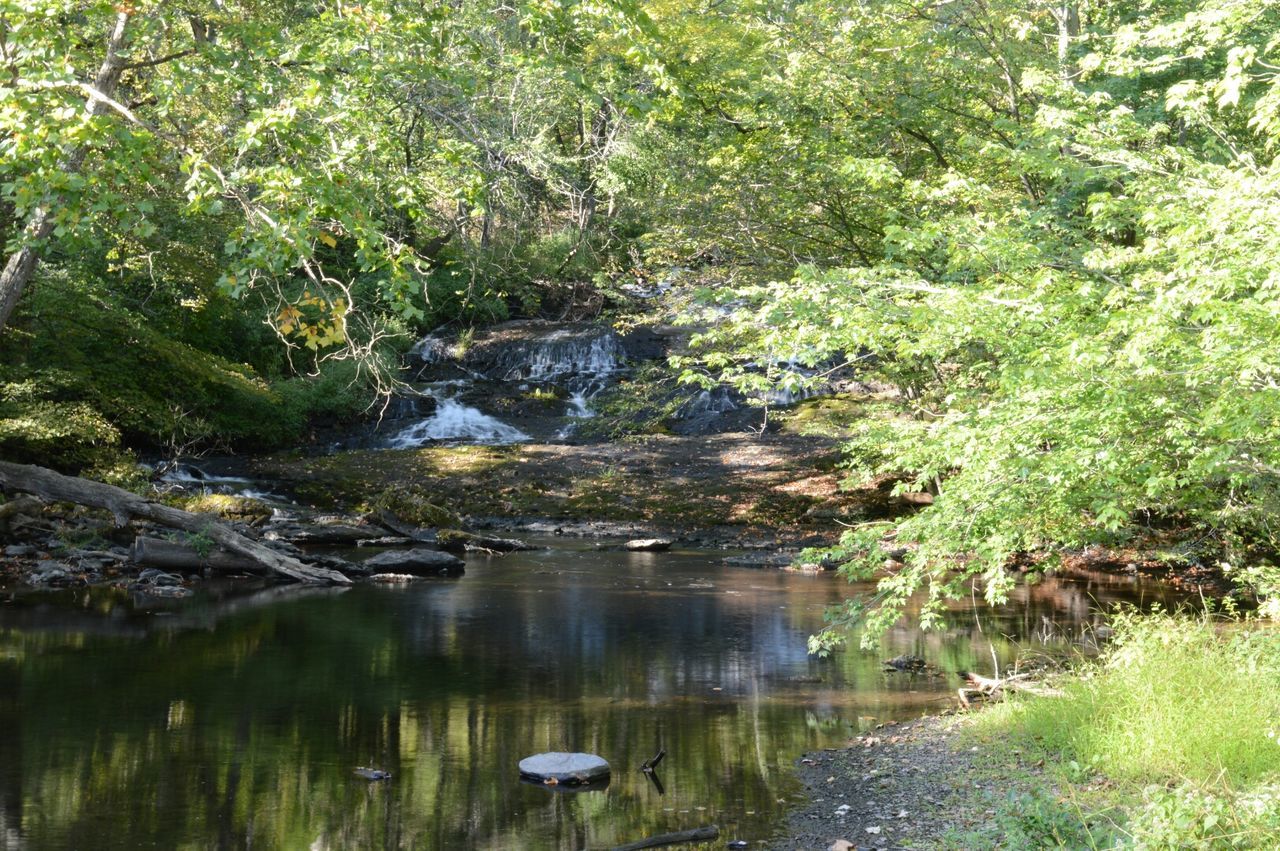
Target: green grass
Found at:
1175, 732
1174, 697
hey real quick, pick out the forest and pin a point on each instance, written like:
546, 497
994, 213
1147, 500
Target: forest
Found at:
1022, 257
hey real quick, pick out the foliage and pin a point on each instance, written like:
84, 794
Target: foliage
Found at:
1071, 281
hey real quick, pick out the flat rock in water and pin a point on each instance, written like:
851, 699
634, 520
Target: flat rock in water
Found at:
761, 560
571, 768
648, 545
418, 561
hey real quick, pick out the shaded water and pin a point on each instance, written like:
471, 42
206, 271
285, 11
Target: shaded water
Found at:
236, 722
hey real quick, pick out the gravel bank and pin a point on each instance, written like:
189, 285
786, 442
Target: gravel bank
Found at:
915, 784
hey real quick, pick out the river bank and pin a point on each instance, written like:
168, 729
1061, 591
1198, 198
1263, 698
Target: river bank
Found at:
1166, 740
915, 784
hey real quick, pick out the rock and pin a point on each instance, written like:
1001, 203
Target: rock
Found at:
14, 550
169, 591
760, 560
419, 561
322, 533
373, 773
456, 541
332, 562
393, 578
648, 545
392, 541
50, 573
842, 845
567, 768
156, 577
906, 662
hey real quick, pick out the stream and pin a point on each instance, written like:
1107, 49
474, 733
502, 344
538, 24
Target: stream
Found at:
235, 718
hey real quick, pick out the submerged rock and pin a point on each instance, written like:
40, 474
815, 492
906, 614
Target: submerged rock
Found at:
564, 768
906, 662
761, 560
418, 562
373, 773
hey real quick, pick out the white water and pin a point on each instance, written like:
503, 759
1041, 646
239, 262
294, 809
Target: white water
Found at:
561, 354
581, 363
453, 420
190, 477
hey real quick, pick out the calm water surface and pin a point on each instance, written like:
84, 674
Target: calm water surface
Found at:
234, 721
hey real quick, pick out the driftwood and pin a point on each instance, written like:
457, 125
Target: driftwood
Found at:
982, 688
652, 762
699, 834
176, 555
124, 505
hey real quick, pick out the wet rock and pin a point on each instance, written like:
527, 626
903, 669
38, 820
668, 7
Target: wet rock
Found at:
348, 568
566, 768
761, 560
322, 533
49, 572
390, 541
418, 562
165, 591
155, 577
906, 662
648, 545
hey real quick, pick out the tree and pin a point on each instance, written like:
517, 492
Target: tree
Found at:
1079, 306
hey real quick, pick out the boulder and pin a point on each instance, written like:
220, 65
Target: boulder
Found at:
419, 561
572, 769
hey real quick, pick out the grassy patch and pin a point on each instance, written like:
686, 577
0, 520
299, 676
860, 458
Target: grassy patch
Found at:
1174, 731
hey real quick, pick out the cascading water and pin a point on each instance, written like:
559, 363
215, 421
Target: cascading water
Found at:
519, 370
453, 420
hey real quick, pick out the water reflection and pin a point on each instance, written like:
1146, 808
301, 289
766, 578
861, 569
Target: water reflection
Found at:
237, 721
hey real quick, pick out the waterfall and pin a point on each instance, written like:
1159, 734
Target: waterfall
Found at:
453, 420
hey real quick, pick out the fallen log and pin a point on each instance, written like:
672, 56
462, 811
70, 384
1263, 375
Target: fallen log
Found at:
698, 834
124, 506
176, 555
985, 688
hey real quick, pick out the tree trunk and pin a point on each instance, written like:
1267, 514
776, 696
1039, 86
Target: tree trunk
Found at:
1067, 16
22, 263
124, 505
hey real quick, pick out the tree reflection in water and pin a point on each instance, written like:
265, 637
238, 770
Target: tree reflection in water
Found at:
236, 720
